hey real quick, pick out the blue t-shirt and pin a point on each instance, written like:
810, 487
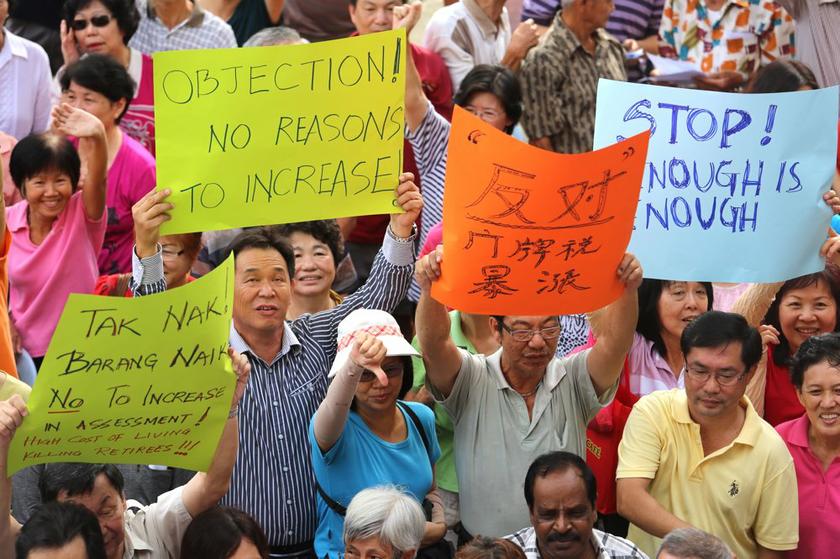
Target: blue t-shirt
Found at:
360, 459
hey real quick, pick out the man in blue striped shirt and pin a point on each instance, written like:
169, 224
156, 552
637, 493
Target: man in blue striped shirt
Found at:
273, 479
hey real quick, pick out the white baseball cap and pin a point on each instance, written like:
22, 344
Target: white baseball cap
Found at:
376, 323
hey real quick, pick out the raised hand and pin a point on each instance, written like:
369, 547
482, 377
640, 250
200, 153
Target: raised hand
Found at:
410, 200
242, 370
406, 16
69, 47
427, 269
830, 249
149, 213
76, 122
630, 271
769, 335
12, 412
524, 38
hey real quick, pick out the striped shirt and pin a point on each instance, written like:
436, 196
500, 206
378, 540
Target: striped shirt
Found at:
201, 30
817, 32
631, 19
606, 546
429, 142
559, 83
272, 480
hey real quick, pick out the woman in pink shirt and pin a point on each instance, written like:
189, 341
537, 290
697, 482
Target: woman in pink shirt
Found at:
105, 27
814, 442
57, 230
655, 361
101, 86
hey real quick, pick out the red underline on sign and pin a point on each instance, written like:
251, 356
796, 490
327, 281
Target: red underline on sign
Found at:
64, 411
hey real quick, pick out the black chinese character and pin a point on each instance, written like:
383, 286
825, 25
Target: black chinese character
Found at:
494, 283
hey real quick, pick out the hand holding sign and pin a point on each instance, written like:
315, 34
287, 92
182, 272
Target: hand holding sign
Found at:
630, 272
242, 370
368, 353
726, 176
149, 213
411, 202
280, 134
135, 381
427, 269
532, 232
12, 412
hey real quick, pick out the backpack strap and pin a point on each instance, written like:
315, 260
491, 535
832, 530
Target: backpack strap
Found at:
335, 506
340, 509
416, 420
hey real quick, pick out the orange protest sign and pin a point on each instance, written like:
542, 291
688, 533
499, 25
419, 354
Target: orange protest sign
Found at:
531, 232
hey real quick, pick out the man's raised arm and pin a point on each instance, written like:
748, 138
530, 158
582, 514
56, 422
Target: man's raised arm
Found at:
440, 354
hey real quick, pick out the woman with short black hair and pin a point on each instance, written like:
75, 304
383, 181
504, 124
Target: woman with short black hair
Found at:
318, 250
57, 229
224, 533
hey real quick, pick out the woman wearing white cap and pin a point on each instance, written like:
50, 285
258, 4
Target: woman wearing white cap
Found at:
362, 436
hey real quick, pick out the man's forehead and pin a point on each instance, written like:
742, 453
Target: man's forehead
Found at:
728, 355
262, 259
532, 320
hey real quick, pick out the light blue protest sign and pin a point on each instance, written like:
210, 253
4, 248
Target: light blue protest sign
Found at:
733, 184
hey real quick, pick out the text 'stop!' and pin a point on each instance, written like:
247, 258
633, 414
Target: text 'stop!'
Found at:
265, 135
733, 182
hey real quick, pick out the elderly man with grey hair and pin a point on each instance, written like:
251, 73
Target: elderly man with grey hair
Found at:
278, 35
383, 522
691, 543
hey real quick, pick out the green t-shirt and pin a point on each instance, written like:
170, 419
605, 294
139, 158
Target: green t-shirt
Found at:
445, 474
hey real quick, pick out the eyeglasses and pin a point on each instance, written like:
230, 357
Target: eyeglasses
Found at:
169, 254
549, 333
488, 114
390, 372
724, 378
97, 21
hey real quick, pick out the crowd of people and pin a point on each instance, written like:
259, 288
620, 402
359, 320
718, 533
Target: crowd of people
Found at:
685, 420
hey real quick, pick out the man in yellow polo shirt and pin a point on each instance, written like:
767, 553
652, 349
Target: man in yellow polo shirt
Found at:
702, 456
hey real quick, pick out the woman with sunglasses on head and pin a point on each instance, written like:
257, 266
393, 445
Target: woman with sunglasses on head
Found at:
105, 27
363, 436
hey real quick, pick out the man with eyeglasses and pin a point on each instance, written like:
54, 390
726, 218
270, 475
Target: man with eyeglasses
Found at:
510, 407
702, 457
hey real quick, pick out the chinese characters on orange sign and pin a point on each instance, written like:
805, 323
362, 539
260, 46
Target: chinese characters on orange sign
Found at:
528, 231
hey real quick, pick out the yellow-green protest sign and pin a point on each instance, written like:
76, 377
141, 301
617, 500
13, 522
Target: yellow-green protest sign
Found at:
264, 135
134, 381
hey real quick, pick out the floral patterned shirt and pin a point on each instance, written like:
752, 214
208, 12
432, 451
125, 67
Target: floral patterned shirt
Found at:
746, 35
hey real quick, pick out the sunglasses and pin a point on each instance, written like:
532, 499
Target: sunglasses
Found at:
97, 21
390, 372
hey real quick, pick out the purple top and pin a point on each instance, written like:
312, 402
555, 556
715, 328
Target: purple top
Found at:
631, 19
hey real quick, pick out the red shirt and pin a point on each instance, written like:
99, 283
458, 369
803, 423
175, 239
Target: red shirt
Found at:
437, 85
780, 401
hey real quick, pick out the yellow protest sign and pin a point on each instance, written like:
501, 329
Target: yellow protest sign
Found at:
134, 381
264, 135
